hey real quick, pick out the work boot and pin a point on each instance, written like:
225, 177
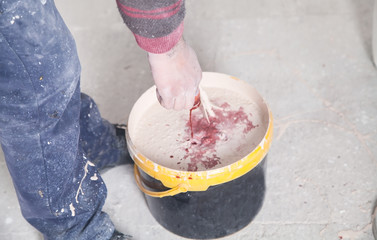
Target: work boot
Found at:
120, 236
120, 131
104, 160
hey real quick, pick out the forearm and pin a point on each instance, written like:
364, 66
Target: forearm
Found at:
158, 26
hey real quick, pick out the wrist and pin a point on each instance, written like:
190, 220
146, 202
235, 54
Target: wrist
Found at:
172, 52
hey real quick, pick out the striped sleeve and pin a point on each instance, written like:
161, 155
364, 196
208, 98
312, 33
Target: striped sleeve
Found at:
156, 24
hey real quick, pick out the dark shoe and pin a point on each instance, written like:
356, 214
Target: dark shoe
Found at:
120, 147
120, 131
120, 236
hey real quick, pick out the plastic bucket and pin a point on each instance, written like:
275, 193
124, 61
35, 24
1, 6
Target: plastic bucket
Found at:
204, 204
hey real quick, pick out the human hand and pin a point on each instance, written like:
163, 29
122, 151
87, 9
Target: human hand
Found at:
177, 75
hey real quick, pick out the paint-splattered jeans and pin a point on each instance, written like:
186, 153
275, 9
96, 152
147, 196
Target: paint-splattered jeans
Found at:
53, 138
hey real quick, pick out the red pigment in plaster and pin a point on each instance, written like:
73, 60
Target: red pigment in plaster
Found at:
196, 105
204, 135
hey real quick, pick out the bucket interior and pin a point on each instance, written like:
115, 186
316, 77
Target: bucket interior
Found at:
164, 136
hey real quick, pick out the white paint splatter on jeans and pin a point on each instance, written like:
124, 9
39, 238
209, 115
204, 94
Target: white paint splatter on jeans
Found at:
88, 163
14, 18
94, 177
72, 208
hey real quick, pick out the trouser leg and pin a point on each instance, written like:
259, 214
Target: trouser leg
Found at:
99, 138
59, 189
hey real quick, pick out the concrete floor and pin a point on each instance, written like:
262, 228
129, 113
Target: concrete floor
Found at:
310, 60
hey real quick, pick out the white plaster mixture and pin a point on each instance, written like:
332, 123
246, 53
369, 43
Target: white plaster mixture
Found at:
164, 136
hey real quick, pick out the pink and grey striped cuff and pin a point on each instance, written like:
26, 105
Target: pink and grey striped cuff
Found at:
159, 13
161, 44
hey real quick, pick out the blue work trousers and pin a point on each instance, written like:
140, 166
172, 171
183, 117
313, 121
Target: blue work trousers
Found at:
53, 137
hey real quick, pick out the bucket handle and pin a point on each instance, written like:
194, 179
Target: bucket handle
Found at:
181, 188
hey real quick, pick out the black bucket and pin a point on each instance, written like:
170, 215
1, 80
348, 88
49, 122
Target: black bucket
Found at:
221, 210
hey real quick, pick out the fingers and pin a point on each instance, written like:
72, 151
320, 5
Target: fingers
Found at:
189, 102
184, 101
166, 102
159, 98
179, 103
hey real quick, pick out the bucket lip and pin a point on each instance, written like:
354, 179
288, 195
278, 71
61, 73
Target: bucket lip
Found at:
201, 180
